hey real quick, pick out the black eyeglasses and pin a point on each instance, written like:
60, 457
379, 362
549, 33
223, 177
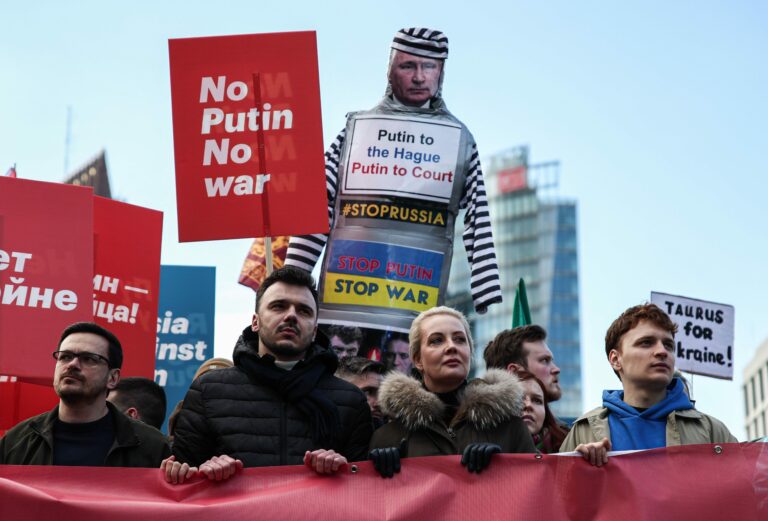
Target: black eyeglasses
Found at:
87, 359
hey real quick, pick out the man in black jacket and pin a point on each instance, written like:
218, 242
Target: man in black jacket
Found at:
280, 404
84, 429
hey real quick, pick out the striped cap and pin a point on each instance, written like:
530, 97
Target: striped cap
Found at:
422, 42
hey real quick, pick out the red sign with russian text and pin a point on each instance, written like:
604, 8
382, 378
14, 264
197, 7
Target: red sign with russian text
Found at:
46, 266
126, 279
247, 136
22, 400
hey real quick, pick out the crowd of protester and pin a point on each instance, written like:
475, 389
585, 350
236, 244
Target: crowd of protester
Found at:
288, 398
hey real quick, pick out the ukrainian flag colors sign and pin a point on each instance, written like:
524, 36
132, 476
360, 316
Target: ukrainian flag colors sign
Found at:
375, 274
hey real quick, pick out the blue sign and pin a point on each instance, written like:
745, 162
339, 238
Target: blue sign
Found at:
386, 261
185, 318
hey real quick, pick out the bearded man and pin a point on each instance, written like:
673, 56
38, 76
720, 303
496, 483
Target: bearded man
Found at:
84, 429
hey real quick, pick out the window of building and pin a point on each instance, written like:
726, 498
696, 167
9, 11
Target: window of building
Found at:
746, 400
762, 417
754, 393
762, 385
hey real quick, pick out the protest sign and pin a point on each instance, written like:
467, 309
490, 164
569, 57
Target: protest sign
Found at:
126, 279
403, 157
46, 270
382, 275
22, 400
185, 323
247, 134
704, 339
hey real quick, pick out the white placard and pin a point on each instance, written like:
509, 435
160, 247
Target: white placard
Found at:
404, 157
704, 339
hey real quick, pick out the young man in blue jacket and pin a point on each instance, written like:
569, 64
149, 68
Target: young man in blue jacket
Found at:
652, 409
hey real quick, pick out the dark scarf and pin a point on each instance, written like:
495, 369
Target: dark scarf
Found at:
299, 388
451, 400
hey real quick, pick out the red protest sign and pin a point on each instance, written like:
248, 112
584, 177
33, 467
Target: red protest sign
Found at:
247, 136
46, 266
126, 279
23, 400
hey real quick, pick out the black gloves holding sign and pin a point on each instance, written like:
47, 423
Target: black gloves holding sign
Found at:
476, 457
386, 461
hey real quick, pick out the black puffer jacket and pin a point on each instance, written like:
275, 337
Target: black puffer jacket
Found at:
227, 412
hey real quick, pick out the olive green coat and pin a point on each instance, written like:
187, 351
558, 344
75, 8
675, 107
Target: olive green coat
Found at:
136, 444
687, 427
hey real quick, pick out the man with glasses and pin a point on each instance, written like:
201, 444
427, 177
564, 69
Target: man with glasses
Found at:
84, 429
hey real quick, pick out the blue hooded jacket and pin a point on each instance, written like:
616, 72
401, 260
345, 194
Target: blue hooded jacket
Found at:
633, 430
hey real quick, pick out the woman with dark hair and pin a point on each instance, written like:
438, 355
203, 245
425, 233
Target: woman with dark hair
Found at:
547, 434
440, 413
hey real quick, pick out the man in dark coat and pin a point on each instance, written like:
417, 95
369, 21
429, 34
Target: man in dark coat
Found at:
280, 404
84, 429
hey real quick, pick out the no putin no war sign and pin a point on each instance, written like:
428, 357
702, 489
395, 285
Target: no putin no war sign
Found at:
247, 135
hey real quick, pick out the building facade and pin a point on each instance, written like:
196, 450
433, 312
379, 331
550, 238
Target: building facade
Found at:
755, 384
535, 234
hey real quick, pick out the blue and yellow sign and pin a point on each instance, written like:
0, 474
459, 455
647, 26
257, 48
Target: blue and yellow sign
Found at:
382, 275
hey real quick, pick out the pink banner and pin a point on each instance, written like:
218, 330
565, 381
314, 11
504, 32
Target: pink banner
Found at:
698, 482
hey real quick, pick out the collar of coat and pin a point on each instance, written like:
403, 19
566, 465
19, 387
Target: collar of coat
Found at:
486, 403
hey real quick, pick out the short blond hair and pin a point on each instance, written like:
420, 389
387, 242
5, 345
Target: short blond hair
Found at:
414, 336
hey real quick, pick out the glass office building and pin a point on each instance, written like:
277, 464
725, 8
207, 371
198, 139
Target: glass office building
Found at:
535, 238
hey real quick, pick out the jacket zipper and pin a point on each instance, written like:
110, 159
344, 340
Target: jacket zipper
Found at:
283, 435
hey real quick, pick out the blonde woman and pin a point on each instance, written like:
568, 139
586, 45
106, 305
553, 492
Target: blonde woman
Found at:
441, 413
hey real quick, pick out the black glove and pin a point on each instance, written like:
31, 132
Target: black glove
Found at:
386, 461
477, 456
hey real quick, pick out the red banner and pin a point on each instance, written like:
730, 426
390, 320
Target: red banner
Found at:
693, 482
247, 136
46, 262
126, 280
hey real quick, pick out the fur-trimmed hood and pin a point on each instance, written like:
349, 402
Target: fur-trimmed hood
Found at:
486, 402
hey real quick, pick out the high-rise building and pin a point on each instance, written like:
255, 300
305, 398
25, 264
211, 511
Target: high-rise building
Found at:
535, 237
755, 402
93, 174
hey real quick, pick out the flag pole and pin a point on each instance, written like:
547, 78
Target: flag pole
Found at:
262, 155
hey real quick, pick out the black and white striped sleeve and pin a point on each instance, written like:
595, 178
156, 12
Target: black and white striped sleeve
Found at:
478, 238
304, 250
